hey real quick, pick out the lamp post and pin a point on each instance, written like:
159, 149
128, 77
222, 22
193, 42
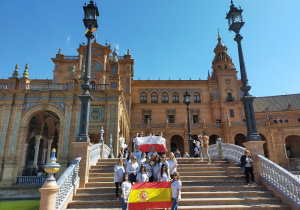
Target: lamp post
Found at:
235, 21
90, 22
187, 101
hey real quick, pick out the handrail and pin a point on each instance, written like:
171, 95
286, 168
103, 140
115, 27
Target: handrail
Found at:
233, 152
31, 180
67, 183
95, 153
282, 180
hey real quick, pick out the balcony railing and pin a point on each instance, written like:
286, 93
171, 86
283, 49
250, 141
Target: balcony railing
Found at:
31, 180
99, 87
3, 86
46, 86
232, 99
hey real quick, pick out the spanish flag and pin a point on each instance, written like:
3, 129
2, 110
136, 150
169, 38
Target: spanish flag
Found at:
150, 195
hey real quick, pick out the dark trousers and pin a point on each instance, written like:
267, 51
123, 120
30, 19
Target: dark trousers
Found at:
174, 204
118, 184
248, 172
132, 178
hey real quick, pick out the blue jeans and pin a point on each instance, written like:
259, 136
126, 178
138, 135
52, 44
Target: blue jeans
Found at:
174, 204
124, 205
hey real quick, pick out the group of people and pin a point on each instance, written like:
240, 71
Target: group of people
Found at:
141, 167
201, 146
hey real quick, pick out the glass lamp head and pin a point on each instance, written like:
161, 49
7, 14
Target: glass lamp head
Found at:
90, 15
235, 18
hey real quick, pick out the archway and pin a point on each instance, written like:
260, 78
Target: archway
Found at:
213, 139
239, 139
177, 142
292, 146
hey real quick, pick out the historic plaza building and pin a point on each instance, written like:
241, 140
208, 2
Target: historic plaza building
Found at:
37, 115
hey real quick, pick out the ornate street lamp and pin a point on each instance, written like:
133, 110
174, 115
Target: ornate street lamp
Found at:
90, 22
187, 101
235, 21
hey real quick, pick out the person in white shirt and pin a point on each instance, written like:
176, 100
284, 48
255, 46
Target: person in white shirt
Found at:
137, 153
172, 164
128, 160
156, 168
164, 160
134, 139
149, 169
176, 191
125, 187
152, 151
118, 176
132, 169
142, 175
164, 175
143, 159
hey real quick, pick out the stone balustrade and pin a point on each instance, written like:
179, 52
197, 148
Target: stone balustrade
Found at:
280, 179
31, 180
67, 184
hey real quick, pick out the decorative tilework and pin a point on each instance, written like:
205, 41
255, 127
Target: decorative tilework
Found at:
3, 131
112, 121
61, 105
20, 98
45, 97
113, 98
2, 98
176, 125
138, 126
58, 98
32, 98
15, 133
66, 133
29, 104
9, 97
78, 122
96, 113
100, 99
158, 126
69, 98
171, 90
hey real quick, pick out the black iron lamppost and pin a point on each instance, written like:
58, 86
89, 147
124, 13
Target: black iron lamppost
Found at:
187, 101
90, 22
235, 21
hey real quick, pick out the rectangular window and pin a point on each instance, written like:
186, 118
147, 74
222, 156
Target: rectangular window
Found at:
225, 66
231, 112
55, 79
195, 119
171, 119
113, 85
22, 85
71, 85
128, 68
218, 121
146, 118
127, 85
12, 84
229, 97
114, 70
56, 67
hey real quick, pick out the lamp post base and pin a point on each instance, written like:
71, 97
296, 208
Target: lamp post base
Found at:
191, 147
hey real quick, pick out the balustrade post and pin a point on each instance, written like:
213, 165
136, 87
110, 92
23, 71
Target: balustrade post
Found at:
256, 148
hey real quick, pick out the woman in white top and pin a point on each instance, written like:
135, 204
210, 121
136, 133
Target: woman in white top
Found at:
176, 191
172, 164
142, 175
118, 177
132, 169
164, 175
125, 187
152, 151
143, 159
156, 168
164, 160
149, 169
128, 160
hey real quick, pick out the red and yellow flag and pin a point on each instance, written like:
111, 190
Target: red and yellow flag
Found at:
150, 195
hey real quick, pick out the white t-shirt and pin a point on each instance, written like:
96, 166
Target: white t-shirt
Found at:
175, 186
138, 155
172, 164
164, 177
197, 143
156, 168
149, 169
132, 168
126, 187
122, 140
120, 170
142, 177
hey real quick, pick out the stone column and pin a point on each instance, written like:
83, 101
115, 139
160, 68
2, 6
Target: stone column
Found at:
36, 149
255, 148
44, 156
25, 155
49, 149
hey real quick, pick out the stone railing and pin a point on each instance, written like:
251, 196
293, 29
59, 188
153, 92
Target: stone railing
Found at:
67, 183
31, 180
232, 152
282, 180
95, 152
46, 86
3, 86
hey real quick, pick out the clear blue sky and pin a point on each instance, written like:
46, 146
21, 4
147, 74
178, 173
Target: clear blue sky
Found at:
167, 38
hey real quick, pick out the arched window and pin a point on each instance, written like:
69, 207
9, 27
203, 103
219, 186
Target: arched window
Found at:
143, 98
154, 98
165, 98
175, 98
96, 66
93, 84
197, 98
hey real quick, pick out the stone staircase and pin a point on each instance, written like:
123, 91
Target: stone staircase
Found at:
219, 185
